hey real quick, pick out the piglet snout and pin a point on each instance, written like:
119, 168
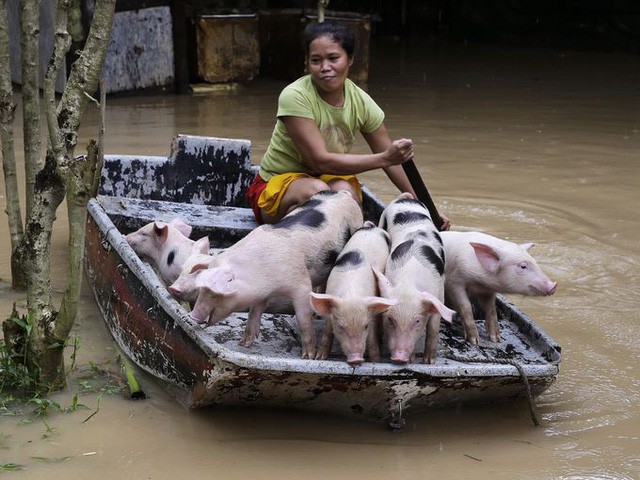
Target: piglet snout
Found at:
400, 358
355, 360
176, 292
197, 319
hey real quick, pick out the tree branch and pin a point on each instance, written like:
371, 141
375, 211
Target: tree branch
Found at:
85, 72
83, 171
29, 40
62, 43
7, 118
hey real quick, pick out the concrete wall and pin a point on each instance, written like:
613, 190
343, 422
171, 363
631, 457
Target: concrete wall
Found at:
141, 50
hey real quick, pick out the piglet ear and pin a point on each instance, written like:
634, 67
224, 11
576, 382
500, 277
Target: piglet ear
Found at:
377, 305
220, 281
384, 285
487, 256
199, 266
181, 226
527, 246
431, 304
160, 232
322, 303
201, 246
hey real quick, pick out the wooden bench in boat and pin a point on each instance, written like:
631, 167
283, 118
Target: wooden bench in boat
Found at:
203, 181
224, 224
199, 170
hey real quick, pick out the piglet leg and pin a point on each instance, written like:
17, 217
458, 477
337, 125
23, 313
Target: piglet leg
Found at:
464, 309
252, 328
305, 324
431, 339
491, 316
324, 350
373, 339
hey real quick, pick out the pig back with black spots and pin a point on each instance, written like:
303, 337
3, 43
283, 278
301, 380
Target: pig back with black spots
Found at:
414, 238
283, 260
320, 228
351, 303
414, 275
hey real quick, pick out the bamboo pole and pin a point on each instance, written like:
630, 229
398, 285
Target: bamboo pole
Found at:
322, 5
129, 374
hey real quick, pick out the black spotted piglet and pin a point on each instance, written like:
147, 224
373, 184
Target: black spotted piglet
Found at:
414, 275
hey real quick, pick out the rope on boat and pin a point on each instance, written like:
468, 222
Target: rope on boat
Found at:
397, 421
505, 361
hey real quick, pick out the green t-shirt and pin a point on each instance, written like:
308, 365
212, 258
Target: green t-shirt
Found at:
338, 125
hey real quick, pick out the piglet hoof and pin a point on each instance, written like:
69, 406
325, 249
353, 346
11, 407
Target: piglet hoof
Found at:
247, 341
308, 353
472, 339
495, 337
429, 359
322, 353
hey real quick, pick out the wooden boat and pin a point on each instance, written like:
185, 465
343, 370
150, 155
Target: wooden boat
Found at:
204, 181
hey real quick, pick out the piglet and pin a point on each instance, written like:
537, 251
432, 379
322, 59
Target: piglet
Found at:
184, 287
350, 303
166, 246
480, 265
414, 274
280, 261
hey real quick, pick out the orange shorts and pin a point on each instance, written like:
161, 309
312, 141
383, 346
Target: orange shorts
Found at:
268, 195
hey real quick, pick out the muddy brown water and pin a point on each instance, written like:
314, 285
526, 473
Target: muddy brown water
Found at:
530, 145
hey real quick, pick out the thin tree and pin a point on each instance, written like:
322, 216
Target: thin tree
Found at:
60, 174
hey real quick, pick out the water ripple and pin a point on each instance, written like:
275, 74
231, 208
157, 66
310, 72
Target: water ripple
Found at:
594, 476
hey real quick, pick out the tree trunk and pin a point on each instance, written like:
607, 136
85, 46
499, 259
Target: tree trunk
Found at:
62, 174
7, 117
84, 77
35, 250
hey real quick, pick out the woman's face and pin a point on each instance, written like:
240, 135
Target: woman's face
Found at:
328, 64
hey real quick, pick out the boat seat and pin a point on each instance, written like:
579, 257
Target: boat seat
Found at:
224, 224
203, 170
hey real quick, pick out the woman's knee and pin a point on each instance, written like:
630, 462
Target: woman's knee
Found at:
299, 192
313, 186
341, 184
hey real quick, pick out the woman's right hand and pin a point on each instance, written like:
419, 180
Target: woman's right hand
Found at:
399, 151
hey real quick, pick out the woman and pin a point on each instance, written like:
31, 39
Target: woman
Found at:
317, 120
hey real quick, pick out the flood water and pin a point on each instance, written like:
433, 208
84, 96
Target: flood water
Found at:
530, 145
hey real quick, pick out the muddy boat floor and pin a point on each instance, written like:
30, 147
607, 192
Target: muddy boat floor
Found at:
279, 338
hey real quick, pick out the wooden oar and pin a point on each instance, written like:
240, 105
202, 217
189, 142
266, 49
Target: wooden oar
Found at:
421, 191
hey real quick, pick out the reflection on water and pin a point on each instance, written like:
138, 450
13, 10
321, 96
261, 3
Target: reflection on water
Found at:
529, 145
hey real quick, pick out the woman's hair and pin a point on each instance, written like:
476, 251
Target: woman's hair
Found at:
339, 32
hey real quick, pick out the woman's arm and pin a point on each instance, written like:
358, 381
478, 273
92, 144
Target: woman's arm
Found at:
378, 140
309, 142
